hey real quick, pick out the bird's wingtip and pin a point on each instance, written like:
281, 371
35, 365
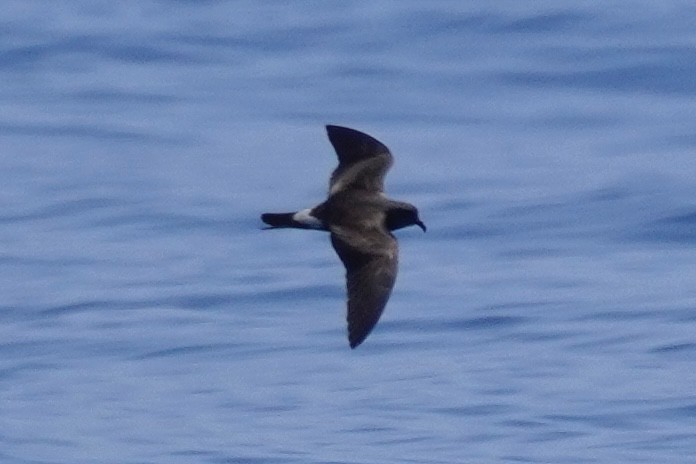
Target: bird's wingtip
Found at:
355, 340
333, 128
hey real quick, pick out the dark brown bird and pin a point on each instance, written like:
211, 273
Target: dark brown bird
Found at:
360, 219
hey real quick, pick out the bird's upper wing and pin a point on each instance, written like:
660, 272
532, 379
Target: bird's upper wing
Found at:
363, 161
371, 261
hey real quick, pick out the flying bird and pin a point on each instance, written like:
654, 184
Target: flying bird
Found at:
360, 219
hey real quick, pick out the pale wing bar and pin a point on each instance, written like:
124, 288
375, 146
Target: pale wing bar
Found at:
363, 161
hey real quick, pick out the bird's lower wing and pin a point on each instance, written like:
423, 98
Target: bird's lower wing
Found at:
371, 262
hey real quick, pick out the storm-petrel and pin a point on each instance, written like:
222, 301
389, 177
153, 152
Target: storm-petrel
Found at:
360, 219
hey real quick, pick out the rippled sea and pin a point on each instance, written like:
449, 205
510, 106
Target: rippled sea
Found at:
547, 316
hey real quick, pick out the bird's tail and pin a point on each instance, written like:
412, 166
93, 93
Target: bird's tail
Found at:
276, 220
304, 219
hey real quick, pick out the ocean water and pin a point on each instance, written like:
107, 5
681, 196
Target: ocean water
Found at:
547, 316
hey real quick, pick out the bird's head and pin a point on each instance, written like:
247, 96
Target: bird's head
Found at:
403, 215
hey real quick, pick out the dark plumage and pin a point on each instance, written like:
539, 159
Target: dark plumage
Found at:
360, 219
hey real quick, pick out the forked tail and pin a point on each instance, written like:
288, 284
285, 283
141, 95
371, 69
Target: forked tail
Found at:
297, 220
275, 220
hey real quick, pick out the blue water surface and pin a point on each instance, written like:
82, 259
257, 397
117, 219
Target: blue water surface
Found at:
547, 316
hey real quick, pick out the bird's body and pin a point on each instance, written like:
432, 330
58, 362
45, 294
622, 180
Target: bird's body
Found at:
360, 219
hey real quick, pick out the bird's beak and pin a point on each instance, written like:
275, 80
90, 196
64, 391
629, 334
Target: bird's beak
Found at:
421, 225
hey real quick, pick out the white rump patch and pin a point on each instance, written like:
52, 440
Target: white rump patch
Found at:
305, 218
